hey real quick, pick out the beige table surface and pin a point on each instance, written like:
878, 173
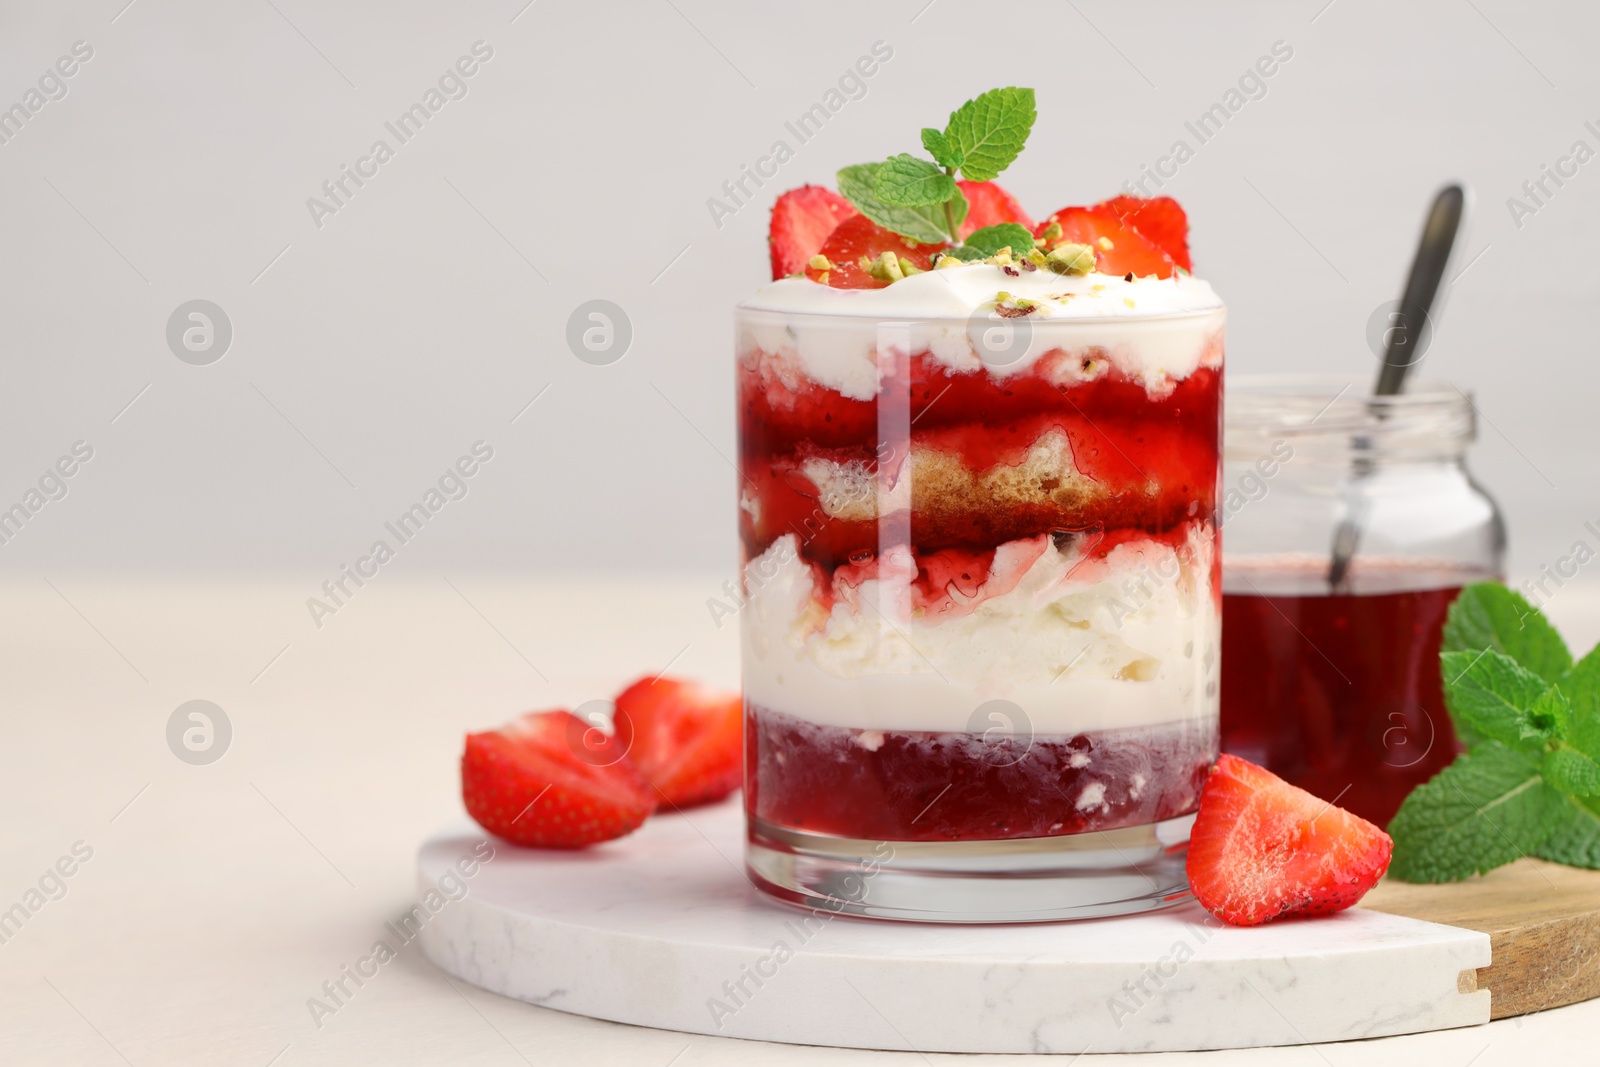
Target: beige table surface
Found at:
219, 898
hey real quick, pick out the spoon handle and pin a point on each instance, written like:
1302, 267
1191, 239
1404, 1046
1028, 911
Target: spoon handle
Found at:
1402, 350
1422, 286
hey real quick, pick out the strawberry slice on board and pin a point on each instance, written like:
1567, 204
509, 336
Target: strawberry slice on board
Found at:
550, 780
860, 238
802, 219
688, 739
990, 205
1159, 220
1262, 849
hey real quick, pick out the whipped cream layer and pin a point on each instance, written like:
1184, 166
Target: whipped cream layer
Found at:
1079, 644
1154, 330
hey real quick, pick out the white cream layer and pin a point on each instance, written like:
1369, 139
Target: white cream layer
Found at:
1154, 330
1131, 640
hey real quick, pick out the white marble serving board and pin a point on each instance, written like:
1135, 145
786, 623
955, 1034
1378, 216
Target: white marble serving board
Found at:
662, 929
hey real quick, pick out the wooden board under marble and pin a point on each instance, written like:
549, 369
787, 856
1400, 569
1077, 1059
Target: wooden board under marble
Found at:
1543, 923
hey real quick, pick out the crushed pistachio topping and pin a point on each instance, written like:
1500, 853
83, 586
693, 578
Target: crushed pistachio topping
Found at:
889, 267
1052, 233
1105, 244
886, 268
819, 262
1070, 259
1013, 307
1065, 258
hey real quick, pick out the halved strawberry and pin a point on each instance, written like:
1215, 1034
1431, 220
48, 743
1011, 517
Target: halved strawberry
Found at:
858, 238
1117, 248
990, 205
802, 219
688, 740
1262, 849
550, 780
1159, 220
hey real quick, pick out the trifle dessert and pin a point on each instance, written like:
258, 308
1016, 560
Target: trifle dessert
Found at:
977, 509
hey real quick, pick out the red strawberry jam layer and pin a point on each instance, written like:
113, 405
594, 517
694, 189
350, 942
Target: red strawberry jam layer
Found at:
918, 786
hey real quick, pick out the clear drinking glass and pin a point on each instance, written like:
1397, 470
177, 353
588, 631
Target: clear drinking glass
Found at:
1332, 681
981, 630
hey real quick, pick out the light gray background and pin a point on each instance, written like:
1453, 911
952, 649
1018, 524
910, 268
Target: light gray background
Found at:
370, 354
431, 309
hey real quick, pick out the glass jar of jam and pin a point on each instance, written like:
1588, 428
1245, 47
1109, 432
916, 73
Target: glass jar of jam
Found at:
1330, 667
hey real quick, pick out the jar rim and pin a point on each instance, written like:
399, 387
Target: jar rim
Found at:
1430, 414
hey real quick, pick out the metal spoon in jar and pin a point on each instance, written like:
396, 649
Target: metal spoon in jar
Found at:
1402, 351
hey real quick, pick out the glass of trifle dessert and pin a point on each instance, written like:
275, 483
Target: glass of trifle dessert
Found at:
978, 461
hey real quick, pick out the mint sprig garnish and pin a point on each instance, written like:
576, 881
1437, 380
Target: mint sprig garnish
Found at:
988, 132
1529, 782
939, 147
992, 239
927, 223
919, 199
906, 181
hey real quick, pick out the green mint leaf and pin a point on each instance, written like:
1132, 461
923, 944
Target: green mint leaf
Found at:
992, 239
968, 254
924, 224
1571, 771
1488, 615
1575, 840
906, 181
1490, 695
1489, 807
990, 130
939, 147
1582, 686
1550, 716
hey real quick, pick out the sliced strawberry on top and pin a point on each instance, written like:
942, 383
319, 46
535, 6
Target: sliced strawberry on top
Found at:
1262, 849
802, 219
1159, 220
1117, 248
688, 740
990, 205
858, 238
550, 780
